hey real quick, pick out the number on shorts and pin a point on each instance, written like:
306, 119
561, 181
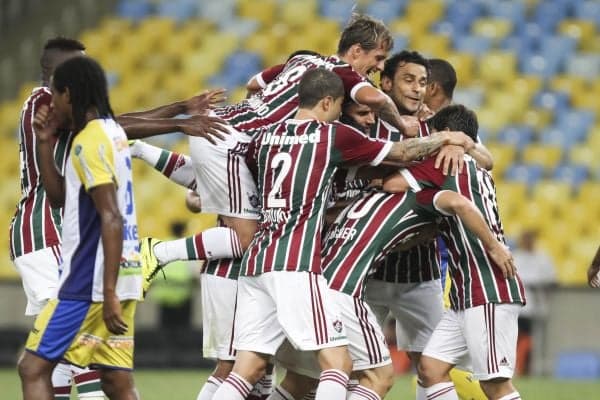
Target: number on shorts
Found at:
285, 161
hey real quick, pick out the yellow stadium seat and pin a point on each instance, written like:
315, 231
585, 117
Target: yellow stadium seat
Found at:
264, 11
423, 13
571, 271
554, 245
464, 64
581, 213
406, 27
587, 100
494, 119
568, 83
511, 195
504, 155
217, 46
582, 30
431, 45
513, 106
498, 67
155, 28
114, 28
495, 29
546, 155
538, 118
298, 13
585, 154
589, 192
524, 87
552, 192
329, 30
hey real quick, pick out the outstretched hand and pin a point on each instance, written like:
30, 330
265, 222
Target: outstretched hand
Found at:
206, 126
204, 101
44, 124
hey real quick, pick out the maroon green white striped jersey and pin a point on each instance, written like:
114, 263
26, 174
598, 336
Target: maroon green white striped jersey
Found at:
225, 268
420, 263
476, 279
294, 163
278, 100
366, 231
35, 224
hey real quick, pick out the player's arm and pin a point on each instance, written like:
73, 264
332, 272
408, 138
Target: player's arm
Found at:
206, 126
483, 156
111, 225
194, 105
385, 108
593, 271
262, 79
45, 127
416, 148
453, 203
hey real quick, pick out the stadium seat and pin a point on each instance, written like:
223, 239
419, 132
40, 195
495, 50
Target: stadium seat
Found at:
511, 10
464, 64
518, 136
544, 65
263, 11
462, 14
588, 10
525, 173
581, 30
576, 123
473, 44
585, 65
511, 195
424, 13
552, 192
568, 83
552, 100
494, 29
179, 10
385, 10
537, 118
471, 96
577, 365
431, 45
135, 10
497, 67
492, 120
298, 13
544, 155
337, 10
548, 14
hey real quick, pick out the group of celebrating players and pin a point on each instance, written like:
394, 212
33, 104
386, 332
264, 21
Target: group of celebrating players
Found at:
338, 203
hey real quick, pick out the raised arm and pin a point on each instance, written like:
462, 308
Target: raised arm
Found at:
456, 204
194, 105
45, 127
206, 126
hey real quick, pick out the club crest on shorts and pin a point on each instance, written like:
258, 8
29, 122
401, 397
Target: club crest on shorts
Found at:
337, 325
253, 199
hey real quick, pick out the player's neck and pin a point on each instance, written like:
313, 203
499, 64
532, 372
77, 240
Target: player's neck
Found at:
307, 114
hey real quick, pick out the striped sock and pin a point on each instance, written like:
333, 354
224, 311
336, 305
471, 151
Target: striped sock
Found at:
511, 396
210, 387
233, 388
439, 391
88, 385
62, 392
280, 393
262, 389
61, 381
332, 385
213, 243
174, 166
359, 392
310, 395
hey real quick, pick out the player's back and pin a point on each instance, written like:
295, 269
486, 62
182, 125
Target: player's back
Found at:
278, 101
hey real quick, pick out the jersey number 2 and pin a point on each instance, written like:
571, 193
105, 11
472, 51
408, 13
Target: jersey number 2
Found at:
285, 161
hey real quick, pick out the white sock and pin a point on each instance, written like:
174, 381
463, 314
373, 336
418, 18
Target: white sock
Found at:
310, 395
61, 381
88, 384
439, 391
177, 167
359, 392
233, 388
210, 387
332, 385
511, 396
213, 243
280, 393
263, 388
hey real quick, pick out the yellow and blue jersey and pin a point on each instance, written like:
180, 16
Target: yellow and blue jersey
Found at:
99, 155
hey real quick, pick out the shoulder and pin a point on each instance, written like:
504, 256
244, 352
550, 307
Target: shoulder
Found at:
39, 96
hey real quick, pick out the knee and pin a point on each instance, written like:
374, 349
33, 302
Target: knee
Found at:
29, 369
383, 380
335, 358
430, 373
496, 388
223, 369
117, 384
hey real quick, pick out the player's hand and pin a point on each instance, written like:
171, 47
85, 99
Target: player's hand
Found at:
593, 274
204, 101
192, 201
44, 124
410, 125
424, 112
504, 259
111, 313
206, 126
459, 139
451, 158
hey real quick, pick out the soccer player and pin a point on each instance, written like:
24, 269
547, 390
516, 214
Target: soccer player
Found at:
593, 272
34, 234
91, 321
281, 293
483, 296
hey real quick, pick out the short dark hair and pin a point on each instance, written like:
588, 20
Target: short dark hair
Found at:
317, 84
443, 73
405, 56
303, 53
64, 44
87, 85
455, 117
366, 31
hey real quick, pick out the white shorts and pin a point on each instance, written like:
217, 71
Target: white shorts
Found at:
39, 272
225, 184
482, 339
218, 311
282, 304
417, 308
367, 345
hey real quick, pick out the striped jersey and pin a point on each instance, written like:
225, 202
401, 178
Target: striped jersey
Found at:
476, 279
278, 100
99, 155
35, 225
420, 263
366, 231
225, 268
294, 163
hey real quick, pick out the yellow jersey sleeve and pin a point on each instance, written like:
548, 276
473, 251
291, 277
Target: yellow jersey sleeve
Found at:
92, 156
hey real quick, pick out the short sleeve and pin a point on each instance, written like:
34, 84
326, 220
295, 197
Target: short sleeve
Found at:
92, 157
426, 172
351, 79
357, 148
267, 75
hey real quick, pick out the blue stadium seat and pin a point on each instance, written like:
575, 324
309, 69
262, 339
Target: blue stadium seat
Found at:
244, 63
575, 174
445, 28
577, 365
227, 81
462, 14
471, 97
134, 9
586, 65
576, 123
548, 14
400, 43
588, 10
221, 12
552, 100
386, 10
179, 10
529, 174
558, 137
516, 135
337, 10
513, 10
545, 66
477, 45
518, 44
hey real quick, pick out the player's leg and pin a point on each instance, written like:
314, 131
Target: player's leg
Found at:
264, 387
493, 357
378, 295
118, 384
88, 383
35, 373
294, 386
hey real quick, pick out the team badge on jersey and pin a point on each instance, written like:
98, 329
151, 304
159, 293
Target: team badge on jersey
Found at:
337, 325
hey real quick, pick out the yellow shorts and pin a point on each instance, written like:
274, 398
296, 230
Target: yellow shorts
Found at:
74, 331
